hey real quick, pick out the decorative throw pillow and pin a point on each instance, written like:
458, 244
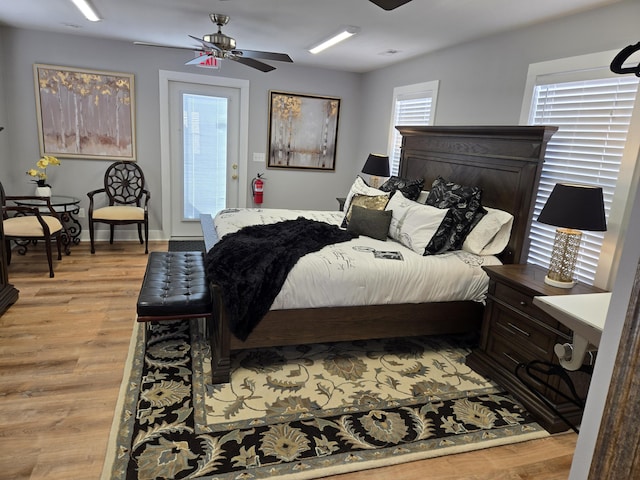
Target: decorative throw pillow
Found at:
409, 188
464, 211
377, 202
422, 198
491, 235
445, 194
371, 223
360, 187
413, 224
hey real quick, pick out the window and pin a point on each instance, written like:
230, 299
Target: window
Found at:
205, 154
593, 109
412, 105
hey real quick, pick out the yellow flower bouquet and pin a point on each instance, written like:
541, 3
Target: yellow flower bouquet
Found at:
40, 172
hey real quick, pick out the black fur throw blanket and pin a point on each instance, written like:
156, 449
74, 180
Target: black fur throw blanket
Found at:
251, 265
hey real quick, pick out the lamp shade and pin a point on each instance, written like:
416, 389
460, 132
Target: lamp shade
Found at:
580, 207
377, 165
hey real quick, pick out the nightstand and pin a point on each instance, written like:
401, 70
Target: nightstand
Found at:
515, 331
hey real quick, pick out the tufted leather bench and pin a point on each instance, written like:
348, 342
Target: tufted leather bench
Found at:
174, 287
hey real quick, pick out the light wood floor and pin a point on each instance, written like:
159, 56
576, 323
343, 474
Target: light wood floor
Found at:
62, 350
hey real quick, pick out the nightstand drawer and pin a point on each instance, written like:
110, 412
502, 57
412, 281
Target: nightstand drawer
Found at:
522, 302
523, 333
515, 298
506, 353
509, 356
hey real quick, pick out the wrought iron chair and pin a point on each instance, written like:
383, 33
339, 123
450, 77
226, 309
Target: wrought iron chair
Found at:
30, 224
128, 201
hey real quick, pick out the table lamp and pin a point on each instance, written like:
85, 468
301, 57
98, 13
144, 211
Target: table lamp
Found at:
572, 208
377, 165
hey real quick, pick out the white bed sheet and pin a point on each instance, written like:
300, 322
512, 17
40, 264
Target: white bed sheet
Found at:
349, 274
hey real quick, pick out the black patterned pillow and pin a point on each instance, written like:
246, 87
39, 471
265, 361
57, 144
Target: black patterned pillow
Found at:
445, 194
410, 188
465, 209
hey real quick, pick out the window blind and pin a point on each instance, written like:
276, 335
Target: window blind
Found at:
413, 105
593, 117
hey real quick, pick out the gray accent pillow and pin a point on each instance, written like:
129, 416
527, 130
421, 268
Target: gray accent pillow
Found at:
372, 203
371, 223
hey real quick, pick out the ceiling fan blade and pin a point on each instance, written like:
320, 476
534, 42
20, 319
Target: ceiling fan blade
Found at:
279, 57
197, 60
147, 44
250, 62
389, 4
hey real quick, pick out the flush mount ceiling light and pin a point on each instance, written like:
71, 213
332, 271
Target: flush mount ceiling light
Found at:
87, 10
343, 34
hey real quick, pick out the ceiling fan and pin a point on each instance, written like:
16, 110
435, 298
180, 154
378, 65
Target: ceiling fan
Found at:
219, 45
389, 4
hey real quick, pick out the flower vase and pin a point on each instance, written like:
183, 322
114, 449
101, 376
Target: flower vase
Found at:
43, 191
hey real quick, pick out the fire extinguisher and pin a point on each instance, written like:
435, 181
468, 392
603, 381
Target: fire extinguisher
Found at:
257, 187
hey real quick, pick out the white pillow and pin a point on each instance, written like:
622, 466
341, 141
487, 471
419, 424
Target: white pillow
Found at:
491, 235
422, 198
412, 223
359, 187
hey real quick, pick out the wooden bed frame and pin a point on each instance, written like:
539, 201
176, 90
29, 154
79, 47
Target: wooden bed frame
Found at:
504, 161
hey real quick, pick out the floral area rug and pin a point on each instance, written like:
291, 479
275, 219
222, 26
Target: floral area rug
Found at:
302, 412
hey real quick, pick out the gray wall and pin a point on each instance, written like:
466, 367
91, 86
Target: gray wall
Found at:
4, 141
481, 82
285, 188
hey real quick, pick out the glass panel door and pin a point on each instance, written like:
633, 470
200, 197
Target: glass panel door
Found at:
204, 137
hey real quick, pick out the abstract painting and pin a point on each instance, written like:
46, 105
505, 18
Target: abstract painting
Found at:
86, 114
303, 131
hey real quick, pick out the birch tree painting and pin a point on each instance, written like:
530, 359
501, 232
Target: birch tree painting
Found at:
85, 113
303, 131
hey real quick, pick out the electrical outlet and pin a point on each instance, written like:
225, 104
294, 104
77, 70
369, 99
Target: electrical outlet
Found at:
81, 213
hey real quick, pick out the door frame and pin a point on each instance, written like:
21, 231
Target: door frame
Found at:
166, 76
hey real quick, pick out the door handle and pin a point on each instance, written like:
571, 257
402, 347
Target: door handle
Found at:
235, 175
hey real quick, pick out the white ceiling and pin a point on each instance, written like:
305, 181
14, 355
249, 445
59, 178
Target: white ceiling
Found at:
291, 26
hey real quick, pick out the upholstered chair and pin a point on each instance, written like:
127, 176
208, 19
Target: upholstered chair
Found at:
126, 202
25, 225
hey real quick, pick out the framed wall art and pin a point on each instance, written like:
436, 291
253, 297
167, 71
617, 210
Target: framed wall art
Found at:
86, 114
303, 131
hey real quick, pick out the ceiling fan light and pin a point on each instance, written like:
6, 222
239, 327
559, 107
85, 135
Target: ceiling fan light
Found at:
222, 41
334, 39
87, 10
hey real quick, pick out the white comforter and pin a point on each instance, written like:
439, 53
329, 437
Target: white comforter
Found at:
365, 271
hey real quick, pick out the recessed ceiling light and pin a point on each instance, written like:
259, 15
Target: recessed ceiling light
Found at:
343, 34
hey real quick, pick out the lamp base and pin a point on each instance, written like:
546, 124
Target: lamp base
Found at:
563, 258
557, 283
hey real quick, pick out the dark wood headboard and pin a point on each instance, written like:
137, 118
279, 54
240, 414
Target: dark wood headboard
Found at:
504, 161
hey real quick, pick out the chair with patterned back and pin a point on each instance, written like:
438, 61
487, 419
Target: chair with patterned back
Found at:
23, 225
126, 202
